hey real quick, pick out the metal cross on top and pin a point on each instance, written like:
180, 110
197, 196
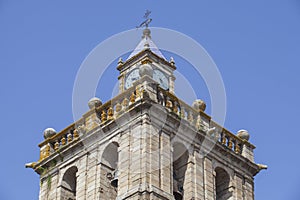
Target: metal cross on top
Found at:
147, 21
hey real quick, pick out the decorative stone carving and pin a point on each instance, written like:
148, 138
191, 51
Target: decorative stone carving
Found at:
63, 141
110, 113
199, 105
103, 116
118, 107
120, 62
125, 103
132, 97
81, 129
69, 136
75, 134
211, 131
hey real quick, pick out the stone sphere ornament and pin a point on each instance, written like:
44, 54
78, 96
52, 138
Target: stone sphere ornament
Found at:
243, 134
49, 132
94, 102
199, 105
145, 70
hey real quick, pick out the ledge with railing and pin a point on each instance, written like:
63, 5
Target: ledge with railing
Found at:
201, 121
101, 114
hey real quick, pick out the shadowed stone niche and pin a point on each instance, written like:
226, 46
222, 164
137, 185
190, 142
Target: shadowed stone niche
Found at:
180, 158
222, 185
109, 166
69, 184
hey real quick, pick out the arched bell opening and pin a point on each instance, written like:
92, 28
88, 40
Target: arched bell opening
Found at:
222, 184
69, 184
180, 160
109, 163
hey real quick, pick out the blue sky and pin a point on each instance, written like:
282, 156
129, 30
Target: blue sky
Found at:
255, 45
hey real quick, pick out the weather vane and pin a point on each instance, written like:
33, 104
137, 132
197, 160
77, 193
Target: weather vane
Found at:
147, 21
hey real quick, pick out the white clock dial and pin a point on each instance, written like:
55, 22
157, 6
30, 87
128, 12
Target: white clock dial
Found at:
161, 78
132, 77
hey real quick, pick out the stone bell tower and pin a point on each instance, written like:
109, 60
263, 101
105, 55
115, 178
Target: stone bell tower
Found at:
145, 144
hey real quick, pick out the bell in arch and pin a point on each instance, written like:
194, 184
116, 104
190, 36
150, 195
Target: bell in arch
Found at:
114, 180
177, 190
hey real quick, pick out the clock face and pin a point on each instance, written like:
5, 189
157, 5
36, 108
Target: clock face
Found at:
161, 78
132, 77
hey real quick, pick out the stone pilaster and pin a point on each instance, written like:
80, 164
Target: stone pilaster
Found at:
91, 119
172, 84
208, 179
91, 175
239, 188
124, 164
247, 152
121, 83
248, 189
53, 186
81, 178
165, 163
189, 180
49, 185
43, 189
135, 151
148, 85
199, 177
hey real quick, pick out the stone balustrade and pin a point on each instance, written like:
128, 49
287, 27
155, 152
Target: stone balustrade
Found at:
102, 114
112, 109
56, 142
118, 105
230, 141
202, 121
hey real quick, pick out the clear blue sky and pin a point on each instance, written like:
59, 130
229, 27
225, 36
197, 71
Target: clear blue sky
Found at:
255, 44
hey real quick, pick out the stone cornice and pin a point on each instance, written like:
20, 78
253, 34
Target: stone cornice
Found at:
142, 54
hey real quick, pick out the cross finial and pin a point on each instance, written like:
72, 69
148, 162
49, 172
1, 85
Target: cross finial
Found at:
148, 12
147, 21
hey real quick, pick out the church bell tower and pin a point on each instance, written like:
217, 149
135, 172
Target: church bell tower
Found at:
145, 144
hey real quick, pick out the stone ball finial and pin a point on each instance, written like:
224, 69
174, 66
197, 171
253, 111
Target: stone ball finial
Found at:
199, 105
49, 132
172, 61
120, 61
94, 102
146, 70
243, 134
146, 33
